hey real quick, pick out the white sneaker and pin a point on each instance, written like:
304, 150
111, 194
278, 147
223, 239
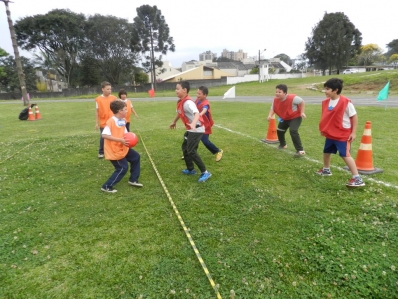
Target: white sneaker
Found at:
136, 184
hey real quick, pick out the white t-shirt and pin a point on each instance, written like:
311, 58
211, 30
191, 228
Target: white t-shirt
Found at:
349, 112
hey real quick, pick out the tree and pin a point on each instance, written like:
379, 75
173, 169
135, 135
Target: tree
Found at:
285, 58
151, 35
394, 60
9, 82
90, 72
21, 75
333, 42
392, 47
2, 54
141, 78
254, 70
370, 53
59, 34
108, 43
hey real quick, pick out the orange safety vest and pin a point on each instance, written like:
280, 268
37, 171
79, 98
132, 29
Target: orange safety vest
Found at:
284, 108
181, 113
207, 118
104, 110
114, 150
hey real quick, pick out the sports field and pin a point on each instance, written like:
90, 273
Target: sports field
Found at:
265, 225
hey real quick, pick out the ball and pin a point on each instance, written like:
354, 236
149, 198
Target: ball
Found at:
131, 138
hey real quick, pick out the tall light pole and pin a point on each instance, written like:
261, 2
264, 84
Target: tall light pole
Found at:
21, 75
259, 64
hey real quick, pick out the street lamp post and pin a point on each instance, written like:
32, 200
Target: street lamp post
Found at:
259, 64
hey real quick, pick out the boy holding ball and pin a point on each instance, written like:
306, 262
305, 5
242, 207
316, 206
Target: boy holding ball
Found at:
116, 149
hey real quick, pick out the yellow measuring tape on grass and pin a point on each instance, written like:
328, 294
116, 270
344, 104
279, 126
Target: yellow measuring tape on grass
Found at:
183, 224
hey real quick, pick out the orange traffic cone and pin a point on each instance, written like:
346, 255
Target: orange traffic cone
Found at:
31, 116
271, 136
151, 93
37, 113
364, 160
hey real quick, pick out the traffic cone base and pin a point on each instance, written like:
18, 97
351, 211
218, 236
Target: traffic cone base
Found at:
271, 136
31, 117
37, 113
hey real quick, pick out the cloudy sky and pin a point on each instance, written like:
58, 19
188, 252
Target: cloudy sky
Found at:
251, 25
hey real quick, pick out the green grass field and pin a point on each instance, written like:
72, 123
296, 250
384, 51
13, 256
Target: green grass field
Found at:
265, 224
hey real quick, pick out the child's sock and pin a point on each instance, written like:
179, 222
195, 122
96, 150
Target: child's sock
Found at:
354, 176
326, 168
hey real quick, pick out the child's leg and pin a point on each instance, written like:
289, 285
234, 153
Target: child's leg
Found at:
351, 165
209, 145
128, 127
326, 160
121, 167
101, 144
135, 165
282, 127
191, 151
294, 125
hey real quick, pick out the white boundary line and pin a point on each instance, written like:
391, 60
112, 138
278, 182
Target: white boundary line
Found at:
305, 157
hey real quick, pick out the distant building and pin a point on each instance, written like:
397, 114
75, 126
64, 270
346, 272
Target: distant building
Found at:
208, 55
238, 56
165, 71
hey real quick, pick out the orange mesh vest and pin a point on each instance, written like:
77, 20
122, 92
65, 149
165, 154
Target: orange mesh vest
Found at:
284, 108
181, 113
104, 110
207, 121
114, 150
129, 111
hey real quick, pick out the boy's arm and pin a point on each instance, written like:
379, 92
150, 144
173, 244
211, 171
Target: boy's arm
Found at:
302, 109
194, 121
173, 124
203, 112
96, 119
135, 113
270, 114
111, 138
353, 134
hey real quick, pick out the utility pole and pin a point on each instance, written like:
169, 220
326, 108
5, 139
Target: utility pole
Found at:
21, 75
259, 65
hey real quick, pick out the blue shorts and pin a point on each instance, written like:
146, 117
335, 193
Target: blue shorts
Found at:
332, 146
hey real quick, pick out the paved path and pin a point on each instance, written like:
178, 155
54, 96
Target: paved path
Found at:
358, 100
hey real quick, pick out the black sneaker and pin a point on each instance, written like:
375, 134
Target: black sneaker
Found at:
109, 190
282, 146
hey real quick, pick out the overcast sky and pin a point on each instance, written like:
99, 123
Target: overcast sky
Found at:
251, 25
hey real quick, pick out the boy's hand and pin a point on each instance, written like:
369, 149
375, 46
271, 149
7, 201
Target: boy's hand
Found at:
96, 127
193, 127
124, 141
172, 126
352, 137
303, 115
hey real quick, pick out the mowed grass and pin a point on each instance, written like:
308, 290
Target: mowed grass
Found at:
265, 224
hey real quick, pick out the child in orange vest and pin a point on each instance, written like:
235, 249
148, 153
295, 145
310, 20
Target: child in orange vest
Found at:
130, 108
338, 124
116, 150
204, 109
193, 121
291, 111
103, 112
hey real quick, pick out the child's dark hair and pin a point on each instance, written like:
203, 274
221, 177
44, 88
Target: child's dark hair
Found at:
117, 105
334, 84
105, 83
204, 90
282, 87
122, 91
184, 84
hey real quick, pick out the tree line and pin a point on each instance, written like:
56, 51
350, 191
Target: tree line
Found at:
87, 50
